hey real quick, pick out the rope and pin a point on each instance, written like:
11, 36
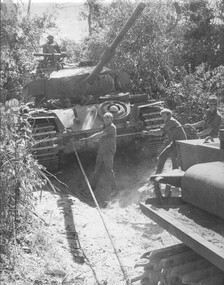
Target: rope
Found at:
122, 135
131, 134
104, 223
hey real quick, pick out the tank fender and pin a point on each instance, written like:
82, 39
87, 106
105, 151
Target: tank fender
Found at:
159, 104
124, 97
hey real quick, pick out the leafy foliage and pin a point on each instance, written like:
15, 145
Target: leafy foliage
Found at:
204, 34
149, 50
166, 37
20, 36
188, 97
72, 49
20, 174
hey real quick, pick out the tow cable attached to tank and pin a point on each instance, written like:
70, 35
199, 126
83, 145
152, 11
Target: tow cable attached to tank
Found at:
102, 218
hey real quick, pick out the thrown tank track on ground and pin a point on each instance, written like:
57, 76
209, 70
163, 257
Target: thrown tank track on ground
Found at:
177, 265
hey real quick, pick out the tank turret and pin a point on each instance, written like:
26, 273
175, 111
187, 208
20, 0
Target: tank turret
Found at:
59, 81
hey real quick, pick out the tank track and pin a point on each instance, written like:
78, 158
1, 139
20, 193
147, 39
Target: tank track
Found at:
45, 148
177, 265
152, 120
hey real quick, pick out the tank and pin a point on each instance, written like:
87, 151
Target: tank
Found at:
194, 217
70, 101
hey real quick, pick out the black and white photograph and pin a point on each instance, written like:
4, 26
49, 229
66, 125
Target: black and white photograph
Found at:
112, 142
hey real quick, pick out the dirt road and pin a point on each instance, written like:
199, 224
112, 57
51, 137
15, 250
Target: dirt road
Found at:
82, 248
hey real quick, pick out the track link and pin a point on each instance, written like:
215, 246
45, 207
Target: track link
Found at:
177, 265
45, 148
152, 120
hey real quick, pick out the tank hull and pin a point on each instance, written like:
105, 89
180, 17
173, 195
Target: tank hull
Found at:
70, 125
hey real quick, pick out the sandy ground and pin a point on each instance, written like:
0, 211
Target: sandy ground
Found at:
83, 251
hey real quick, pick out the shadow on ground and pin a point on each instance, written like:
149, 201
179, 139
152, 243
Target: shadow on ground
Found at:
132, 175
73, 240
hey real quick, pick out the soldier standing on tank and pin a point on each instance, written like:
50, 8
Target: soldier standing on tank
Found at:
174, 131
211, 122
106, 152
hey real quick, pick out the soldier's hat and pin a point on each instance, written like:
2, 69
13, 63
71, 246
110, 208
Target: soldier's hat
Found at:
166, 111
50, 37
108, 115
212, 100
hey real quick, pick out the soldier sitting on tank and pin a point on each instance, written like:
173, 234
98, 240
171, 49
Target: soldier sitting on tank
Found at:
50, 46
211, 122
174, 131
55, 56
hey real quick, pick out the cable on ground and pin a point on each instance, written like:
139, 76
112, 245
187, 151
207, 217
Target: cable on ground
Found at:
101, 215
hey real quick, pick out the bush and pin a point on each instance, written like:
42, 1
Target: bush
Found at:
20, 175
188, 96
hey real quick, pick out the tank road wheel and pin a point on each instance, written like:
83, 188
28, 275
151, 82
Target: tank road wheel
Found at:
120, 110
45, 149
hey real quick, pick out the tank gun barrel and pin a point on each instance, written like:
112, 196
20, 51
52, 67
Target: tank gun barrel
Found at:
109, 50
